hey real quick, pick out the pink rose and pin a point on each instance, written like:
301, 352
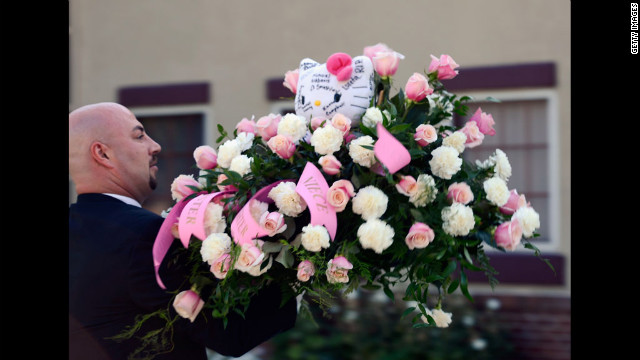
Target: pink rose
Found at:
188, 304
485, 122
180, 187
339, 194
330, 164
417, 87
514, 202
508, 234
246, 125
222, 178
273, 222
371, 51
425, 134
348, 137
386, 63
459, 192
445, 66
317, 121
407, 185
282, 146
267, 126
338, 270
250, 255
420, 235
474, 136
341, 123
306, 270
291, 80
206, 157
221, 266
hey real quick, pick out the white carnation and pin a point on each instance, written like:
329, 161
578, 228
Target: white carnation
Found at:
245, 140
361, 156
502, 166
227, 151
241, 164
315, 237
426, 191
445, 162
326, 140
373, 115
442, 319
528, 218
370, 202
457, 219
214, 220
214, 246
375, 234
497, 190
293, 126
456, 141
288, 201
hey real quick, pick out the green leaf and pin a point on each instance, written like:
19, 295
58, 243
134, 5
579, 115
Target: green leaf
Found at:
453, 286
464, 286
407, 311
389, 293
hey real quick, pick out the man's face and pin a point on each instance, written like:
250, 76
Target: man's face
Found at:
136, 157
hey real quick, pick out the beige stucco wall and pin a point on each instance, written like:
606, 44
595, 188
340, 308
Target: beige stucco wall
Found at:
237, 45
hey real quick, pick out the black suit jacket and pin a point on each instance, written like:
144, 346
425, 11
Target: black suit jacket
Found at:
112, 279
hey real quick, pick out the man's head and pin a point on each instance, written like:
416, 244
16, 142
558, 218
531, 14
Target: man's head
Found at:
109, 152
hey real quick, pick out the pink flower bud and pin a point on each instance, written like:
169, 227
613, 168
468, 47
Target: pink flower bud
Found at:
180, 187
306, 270
341, 123
339, 194
273, 222
474, 136
338, 270
206, 157
330, 164
407, 185
508, 234
514, 202
420, 235
188, 304
282, 146
246, 125
291, 80
222, 178
371, 51
425, 134
386, 63
485, 122
250, 255
221, 266
417, 87
445, 66
317, 121
267, 126
459, 192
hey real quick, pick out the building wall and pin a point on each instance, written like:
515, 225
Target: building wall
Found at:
237, 46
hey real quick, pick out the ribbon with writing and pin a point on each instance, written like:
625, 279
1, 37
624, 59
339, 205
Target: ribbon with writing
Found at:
312, 187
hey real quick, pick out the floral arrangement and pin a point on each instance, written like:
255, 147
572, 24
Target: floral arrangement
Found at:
326, 205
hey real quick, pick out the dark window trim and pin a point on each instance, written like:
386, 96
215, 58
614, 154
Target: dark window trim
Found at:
523, 268
165, 94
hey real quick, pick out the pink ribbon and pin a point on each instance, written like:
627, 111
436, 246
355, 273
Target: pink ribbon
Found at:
312, 187
390, 151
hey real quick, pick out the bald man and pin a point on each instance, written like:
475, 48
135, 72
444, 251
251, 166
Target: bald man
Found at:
113, 163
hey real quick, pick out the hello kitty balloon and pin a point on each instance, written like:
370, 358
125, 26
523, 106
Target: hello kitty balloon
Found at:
341, 85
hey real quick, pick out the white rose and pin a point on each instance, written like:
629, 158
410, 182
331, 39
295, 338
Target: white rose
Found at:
214, 246
315, 237
293, 126
502, 166
326, 140
457, 219
370, 202
361, 156
375, 234
214, 221
241, 164
445, 162
529, 220
373, 115
288, 201
227, 151
426, 191
456, 141
497, 191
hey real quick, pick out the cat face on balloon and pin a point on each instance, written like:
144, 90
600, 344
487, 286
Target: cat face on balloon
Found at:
344, 86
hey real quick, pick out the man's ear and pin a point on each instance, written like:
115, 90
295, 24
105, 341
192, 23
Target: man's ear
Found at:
99, 153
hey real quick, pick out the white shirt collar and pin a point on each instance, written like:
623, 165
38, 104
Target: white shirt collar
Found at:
125, 199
